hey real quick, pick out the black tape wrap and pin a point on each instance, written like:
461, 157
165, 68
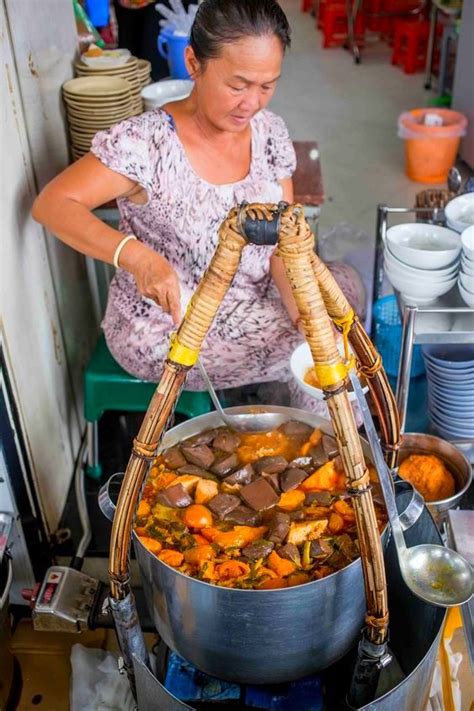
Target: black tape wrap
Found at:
264, 232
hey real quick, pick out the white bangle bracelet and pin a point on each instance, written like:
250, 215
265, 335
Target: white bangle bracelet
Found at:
119, 248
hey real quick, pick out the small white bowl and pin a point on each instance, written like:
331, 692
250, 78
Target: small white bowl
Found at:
466, 296
467, 282
430, 275
467, 267
459, 212
423, 246
301, 361
416, 292
162, 92
467, 240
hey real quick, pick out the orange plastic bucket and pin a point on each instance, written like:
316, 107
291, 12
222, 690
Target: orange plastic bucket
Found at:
430, 150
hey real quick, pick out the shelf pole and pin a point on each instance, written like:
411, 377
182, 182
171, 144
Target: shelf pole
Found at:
404, 366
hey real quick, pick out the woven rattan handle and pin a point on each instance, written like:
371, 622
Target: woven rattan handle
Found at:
369, 362
296, 248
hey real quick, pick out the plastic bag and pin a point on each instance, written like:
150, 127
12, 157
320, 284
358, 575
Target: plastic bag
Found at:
96, 683
413, 124
177, 17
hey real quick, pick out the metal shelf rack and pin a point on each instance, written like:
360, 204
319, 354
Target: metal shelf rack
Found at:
450, 304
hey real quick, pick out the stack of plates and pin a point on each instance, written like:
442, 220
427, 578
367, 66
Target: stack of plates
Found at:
421, 261
129, 70
144, 72
466, 275
94, 104
450, 374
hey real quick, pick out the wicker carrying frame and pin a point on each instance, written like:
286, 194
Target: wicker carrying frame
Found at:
320, 302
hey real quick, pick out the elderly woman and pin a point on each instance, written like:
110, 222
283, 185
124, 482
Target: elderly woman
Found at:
176, 172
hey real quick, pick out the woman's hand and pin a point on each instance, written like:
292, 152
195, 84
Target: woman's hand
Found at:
155, 277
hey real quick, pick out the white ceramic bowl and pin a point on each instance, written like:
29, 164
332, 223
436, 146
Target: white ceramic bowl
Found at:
467, 240
162, 92
396, 265
466, 296
422, 245
415, 291
467, 281
459, 212
467, 266
301, 361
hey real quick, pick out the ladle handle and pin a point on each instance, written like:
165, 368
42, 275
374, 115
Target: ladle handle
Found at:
211, 391
385, 477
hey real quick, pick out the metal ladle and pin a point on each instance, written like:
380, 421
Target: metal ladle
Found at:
454, 180
435, 574
258, 421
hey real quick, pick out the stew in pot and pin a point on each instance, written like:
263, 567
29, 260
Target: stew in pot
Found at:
253, 511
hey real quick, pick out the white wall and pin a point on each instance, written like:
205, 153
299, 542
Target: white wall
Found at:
48, 326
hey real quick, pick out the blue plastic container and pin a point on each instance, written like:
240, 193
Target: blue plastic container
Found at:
98, 12
172, 47
388, 337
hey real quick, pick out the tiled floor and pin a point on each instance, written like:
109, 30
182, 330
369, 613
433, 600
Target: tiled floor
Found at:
352, 111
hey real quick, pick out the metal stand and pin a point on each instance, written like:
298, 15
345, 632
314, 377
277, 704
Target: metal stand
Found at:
410, 336
453, 13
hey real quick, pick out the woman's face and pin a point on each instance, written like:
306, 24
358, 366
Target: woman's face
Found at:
233, 87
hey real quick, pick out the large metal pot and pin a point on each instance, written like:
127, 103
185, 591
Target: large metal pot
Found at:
415, 633
253, 636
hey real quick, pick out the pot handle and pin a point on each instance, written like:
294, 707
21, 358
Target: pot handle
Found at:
105, 502
163, 46
415, 507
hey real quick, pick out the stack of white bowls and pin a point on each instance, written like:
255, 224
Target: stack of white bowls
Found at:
466, 275
94, 104
421, 261
131, 71
450, 374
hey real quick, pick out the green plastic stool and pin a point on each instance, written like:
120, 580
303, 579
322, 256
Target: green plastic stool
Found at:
108, 387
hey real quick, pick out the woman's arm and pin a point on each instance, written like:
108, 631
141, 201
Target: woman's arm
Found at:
65, 207
277, 268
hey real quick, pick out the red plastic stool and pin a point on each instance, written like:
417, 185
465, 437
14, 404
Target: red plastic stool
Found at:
306, 5
334, 25
410, 44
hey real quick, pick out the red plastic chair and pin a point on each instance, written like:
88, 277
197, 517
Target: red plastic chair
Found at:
334, 25
410, 44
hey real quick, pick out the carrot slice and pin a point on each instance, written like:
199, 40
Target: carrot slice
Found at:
199, 554
281, 566
151, 544
291, 500
232, 569
170, 557
335, 523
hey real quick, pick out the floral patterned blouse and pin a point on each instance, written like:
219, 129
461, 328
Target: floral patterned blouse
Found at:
252, 337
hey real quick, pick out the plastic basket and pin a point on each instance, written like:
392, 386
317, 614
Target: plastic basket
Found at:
388, 337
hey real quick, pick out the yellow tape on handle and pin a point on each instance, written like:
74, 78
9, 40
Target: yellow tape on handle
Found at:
345, 324
181, 354
330, 373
